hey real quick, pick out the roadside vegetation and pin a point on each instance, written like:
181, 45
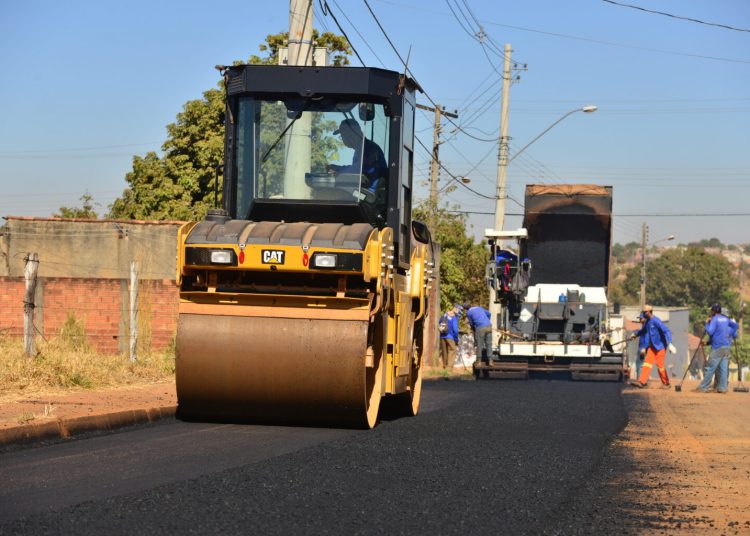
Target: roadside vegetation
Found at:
68, 362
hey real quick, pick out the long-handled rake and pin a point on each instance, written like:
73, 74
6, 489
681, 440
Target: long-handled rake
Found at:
739, 388
678, 388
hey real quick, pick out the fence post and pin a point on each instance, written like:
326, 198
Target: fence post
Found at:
29, 275
133, 310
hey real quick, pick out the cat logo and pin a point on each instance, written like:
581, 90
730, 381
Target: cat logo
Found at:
272, 256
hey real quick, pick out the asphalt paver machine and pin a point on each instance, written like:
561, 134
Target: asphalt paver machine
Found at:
549, 294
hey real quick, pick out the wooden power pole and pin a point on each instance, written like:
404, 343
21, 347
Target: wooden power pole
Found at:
29, 275
435, 163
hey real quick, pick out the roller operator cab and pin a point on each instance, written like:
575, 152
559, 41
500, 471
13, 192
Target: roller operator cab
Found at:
304, 300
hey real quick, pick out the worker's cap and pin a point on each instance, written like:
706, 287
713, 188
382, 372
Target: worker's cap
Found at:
459, 308
648, 309
640, 318
349, 125
716, 308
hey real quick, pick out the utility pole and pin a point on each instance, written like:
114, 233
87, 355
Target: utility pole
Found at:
300, 32
742, 304
502, 157
435, 163
298, 146
644, 244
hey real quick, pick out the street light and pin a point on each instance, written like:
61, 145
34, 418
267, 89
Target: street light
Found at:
586, 109
643, 260
503, 165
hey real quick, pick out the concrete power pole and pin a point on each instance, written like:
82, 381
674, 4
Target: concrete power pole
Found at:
298, 146
644, 245
502, 157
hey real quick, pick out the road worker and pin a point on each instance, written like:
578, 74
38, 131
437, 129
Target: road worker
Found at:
659, 340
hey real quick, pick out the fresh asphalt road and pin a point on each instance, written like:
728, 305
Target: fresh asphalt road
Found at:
484, 457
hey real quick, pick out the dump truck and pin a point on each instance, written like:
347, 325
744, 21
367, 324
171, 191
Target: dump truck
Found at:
305, 298
552, 312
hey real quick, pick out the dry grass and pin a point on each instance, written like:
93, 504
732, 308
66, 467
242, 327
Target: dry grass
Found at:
68, 362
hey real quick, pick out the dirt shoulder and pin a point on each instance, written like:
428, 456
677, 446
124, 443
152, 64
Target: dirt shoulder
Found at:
37, 409
682, 464
49, 414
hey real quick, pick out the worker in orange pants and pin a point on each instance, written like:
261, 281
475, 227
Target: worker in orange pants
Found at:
659, 340
648, 363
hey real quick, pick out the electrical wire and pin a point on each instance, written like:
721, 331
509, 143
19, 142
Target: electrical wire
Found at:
326, 11
585, 39
452, 176
359, 34
725, 26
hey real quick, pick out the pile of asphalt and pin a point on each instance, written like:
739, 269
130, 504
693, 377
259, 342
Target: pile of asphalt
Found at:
484, 457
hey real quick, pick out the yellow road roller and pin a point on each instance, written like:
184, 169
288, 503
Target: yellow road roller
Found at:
304, 300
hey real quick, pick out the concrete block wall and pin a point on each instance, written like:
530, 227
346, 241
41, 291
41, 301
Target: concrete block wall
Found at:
101, 304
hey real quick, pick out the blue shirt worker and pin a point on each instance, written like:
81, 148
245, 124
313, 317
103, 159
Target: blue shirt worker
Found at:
479, 320
659, 340
448, 326
722, 330
367, 154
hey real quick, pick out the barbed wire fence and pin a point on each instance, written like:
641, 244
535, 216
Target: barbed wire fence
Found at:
110, 309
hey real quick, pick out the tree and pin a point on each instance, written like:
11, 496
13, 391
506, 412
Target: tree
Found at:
689, 278
180, 184
86, 211
462, 262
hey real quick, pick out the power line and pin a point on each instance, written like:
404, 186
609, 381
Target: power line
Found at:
621, 45
588, 40
407, 70
327, 11
358, 33
676, 16
452, 176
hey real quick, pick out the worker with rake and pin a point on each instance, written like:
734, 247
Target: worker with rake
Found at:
722, 330
659, 340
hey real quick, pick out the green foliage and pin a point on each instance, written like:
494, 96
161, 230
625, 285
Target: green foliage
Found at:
707, 243
687, 277
462, 262
741, 352
180, 184
622, 252
85, 211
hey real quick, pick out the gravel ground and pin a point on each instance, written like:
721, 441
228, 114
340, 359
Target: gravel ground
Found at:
484, 457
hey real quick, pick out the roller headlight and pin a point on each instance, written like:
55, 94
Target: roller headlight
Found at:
195, 256
327, 260
221, 256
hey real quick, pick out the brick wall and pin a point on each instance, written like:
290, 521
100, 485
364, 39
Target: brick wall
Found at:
101, 304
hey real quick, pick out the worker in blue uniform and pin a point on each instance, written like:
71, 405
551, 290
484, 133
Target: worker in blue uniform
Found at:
479, 320
722, 330
449, 336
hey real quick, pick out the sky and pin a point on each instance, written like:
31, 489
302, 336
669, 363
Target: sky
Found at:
87, 85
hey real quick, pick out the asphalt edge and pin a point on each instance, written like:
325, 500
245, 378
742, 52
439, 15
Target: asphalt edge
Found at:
67, 428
